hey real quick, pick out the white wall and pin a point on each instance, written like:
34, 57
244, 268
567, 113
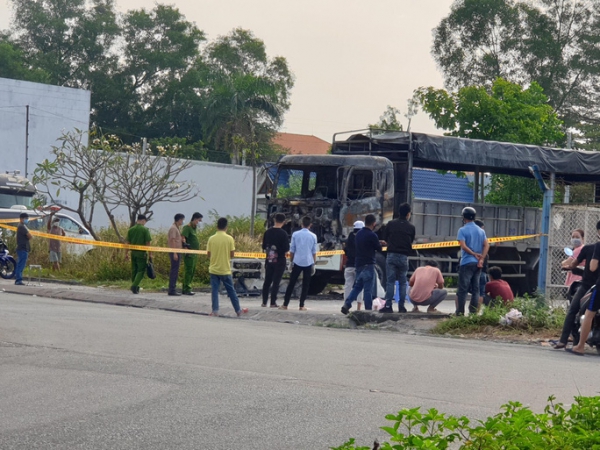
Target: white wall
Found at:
225, 188
53, 110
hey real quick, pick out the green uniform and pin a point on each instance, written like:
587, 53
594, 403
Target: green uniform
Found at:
138, 235
189, 260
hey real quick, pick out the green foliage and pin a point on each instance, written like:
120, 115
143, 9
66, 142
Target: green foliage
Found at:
293, 189
536, 316
13, 65
516, 427
505, 112
108, 266
152, 74
388, 120
554, 44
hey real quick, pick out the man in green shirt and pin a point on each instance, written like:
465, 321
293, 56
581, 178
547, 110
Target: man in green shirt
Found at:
138, 235
188, 233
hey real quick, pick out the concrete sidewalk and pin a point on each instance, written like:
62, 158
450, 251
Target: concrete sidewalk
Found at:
320, 311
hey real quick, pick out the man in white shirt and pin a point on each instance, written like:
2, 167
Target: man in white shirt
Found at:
303, 253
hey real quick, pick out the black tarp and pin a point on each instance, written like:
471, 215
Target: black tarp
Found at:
451, 153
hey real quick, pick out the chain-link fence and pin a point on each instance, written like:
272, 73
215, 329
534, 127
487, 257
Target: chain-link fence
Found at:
563, 220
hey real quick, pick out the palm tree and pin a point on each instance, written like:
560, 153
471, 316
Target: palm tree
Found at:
242, 112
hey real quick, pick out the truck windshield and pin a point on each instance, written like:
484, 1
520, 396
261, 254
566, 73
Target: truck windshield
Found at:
8, 200
303, 182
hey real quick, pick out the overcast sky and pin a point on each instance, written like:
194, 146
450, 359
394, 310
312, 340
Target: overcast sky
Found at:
351, 58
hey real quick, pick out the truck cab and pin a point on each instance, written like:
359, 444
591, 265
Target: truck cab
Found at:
334, 191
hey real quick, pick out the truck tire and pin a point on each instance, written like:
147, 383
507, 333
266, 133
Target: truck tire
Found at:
318, 282
380, 268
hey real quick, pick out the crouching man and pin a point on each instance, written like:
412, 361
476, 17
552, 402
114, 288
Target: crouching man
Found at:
427, 287
497, 288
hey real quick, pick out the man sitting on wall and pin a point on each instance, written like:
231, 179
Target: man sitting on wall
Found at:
427, 287
497, 288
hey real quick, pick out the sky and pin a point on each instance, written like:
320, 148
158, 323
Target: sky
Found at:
350, 58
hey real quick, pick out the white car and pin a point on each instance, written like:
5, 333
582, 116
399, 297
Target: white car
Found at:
72, 229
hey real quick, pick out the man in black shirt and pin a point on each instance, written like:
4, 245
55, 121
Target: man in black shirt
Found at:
587, 281
23, 247
367, 245
350, 270
276, 243
399, 235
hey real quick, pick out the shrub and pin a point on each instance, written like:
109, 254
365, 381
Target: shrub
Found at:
536, 316
516, 427
109, 265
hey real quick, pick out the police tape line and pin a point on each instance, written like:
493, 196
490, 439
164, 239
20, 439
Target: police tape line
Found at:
248, 255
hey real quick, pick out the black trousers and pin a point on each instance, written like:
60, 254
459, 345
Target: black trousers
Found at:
574, 307
296, 271
273, 274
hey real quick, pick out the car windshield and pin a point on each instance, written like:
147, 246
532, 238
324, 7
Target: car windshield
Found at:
307, 182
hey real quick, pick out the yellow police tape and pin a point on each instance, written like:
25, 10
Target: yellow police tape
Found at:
249, 255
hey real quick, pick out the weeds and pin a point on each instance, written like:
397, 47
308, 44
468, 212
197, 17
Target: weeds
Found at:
108, 266
516, 427
536, 316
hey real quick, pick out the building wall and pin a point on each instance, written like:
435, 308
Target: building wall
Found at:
224, 189
53, 110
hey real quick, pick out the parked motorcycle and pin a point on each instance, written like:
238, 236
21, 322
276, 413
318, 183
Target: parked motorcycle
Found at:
7, 262
593, 339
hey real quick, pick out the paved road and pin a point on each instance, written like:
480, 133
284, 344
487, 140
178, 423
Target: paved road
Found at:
79, 375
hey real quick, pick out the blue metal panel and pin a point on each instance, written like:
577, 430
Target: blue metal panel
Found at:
431, 185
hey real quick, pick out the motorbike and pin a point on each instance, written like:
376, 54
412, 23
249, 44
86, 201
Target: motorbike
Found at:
7, 262
593, 339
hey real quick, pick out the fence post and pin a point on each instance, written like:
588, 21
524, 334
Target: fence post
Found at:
546, 207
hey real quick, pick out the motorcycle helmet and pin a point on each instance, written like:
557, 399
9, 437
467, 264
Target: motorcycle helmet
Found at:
469, 213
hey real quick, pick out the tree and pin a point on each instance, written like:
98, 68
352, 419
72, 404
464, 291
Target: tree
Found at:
553, 43
112, 174
70, 40
77, 168
507, 113
13, 64
388, 120
248, 93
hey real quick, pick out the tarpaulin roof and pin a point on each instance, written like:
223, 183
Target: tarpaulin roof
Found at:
451, 153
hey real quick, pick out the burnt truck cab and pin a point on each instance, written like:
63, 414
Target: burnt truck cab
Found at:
334, 191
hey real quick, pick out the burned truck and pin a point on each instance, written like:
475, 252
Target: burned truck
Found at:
371, 173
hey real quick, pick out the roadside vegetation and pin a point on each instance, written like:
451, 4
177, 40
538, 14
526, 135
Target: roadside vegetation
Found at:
575, 427
106, 266
538, 318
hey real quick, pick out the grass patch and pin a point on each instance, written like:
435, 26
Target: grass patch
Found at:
108, 267
537, 316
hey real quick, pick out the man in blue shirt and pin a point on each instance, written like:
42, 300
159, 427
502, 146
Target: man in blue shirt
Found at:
367, 245
474, 249
303, 253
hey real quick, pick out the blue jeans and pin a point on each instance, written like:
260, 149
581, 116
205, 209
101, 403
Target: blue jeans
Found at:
365, 275
468, 281
215, 284
396, 269
21, 263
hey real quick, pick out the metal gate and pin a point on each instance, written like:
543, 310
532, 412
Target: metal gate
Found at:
563, 220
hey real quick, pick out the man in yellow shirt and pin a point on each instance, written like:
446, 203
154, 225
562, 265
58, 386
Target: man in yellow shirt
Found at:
220, 249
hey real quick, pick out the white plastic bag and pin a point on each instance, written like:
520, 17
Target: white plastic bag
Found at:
511, 317
378, 304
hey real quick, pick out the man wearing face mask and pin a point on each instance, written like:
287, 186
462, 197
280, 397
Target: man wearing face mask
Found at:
23, 247
587, 281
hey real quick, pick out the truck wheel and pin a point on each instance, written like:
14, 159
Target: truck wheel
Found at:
380, 268
318, 282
